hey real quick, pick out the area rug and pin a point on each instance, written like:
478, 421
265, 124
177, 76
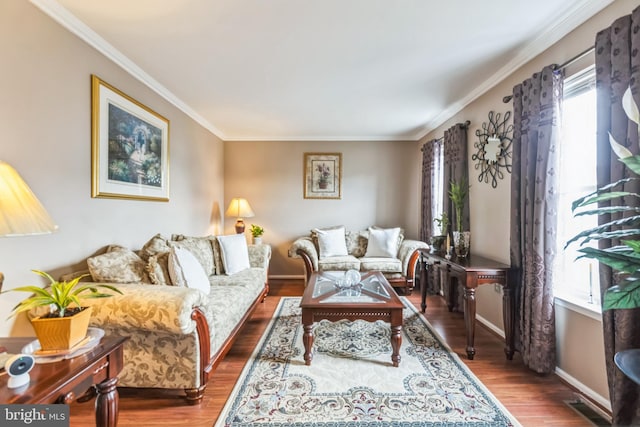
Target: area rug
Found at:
351, 381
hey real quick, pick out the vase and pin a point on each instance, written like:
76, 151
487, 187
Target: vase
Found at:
461, 243
62, 333
257, 240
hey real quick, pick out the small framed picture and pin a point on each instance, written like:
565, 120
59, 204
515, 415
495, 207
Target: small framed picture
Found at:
129, 147
322, 175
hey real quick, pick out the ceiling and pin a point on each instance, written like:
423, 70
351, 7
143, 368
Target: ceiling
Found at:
323, 69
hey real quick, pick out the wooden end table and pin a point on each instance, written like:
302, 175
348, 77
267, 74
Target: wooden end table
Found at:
374, 300
93, 373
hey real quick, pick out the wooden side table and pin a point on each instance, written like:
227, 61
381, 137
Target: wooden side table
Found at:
95, 372
471, 272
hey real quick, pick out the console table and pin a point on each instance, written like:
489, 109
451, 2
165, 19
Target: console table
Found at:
68, 380
471, 272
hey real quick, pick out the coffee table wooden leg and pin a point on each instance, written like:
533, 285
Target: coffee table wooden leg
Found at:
307, 339
107, 403
396, 342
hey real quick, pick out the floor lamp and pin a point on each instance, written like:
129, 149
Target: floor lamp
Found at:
21, 213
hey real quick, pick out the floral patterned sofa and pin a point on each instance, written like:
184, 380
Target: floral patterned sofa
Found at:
379, 249
179, 331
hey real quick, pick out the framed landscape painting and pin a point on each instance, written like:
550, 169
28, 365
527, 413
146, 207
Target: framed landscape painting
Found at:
322, 175
129, 147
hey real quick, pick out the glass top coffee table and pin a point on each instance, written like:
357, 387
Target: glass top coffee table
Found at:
329, 296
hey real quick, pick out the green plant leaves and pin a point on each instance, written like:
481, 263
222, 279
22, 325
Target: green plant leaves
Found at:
625, 295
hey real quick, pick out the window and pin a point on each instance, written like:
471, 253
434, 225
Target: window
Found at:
576, 281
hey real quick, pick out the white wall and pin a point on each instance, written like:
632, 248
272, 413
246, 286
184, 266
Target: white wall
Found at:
46, 135
580, 342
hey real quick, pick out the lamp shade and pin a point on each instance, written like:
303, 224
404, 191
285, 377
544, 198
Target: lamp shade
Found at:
21, 213
239, 208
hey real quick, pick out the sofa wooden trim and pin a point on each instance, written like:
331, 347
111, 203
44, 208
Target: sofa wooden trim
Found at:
210, 362
405, 282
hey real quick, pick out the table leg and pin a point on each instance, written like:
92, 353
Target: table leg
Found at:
508, 317
470, 319
307, 339
423, 285
107, 403
396, 342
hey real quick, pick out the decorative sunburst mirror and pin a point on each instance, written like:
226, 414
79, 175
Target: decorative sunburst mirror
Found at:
494, 148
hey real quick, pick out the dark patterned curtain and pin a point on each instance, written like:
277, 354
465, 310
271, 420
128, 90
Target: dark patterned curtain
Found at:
456, 169
617, 68
536, 104
430, 155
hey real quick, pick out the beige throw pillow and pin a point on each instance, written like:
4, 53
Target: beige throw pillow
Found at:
118, 266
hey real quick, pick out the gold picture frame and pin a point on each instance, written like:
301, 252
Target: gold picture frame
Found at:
129, 147
322, 175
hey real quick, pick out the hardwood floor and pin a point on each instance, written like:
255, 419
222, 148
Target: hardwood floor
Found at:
533, 399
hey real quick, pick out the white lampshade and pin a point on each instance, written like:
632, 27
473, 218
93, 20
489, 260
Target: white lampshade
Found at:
21, 213
239, 208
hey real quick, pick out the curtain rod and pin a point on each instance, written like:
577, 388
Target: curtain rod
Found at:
464, 125
562, 66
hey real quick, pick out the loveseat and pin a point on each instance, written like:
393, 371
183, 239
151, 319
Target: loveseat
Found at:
184, 301
374, 249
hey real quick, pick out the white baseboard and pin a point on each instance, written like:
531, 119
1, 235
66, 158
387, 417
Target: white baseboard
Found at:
491, 326
587, 392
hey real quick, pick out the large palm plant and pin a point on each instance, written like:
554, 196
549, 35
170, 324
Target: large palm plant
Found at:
624, 258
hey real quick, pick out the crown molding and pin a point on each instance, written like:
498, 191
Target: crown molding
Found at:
62, 16
563, 25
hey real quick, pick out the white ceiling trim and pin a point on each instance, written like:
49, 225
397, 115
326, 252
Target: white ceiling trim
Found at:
77, 27
565, 23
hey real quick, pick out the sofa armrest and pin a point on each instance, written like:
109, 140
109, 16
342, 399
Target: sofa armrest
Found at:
259, 256
407, 249
302, 247
152, 308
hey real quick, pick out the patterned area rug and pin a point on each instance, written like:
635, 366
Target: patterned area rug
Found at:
351, 381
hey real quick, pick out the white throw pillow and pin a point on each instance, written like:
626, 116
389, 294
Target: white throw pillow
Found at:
383, 242
331, 242
186, 270
235, 254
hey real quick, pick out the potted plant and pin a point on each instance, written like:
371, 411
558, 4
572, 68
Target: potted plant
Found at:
66, 323
437, 241
458, 194
257, 232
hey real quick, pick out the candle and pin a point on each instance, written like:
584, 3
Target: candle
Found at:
447, 248
590, 283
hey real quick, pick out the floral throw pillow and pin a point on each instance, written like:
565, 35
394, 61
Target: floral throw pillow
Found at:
119, 266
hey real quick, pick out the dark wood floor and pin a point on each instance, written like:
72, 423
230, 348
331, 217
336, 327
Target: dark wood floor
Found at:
533, 399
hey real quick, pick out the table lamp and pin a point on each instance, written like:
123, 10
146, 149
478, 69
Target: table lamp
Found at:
239, 208
21, 213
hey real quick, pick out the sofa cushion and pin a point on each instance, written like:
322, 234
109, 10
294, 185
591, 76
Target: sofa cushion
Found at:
356, 242
200, 247
384, 264
235, 255
339, 263
158, 269
331, 242
118, 266
155, 246
185, 270
383, 242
